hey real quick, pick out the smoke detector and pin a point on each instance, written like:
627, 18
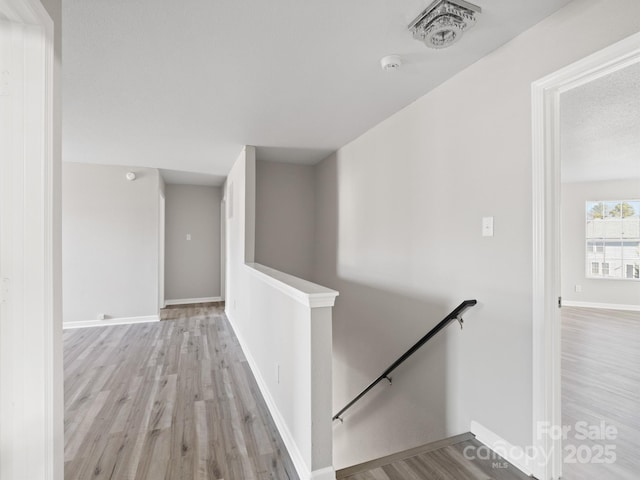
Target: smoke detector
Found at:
391, 62
443, 22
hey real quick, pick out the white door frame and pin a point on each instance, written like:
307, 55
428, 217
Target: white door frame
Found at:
31, 407
546, 240
223, 249
161, 252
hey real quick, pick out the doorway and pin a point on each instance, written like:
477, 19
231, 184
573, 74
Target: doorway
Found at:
600, 253
546, 93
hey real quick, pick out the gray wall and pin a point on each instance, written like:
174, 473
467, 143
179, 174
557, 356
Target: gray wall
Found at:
285, 213
399, 235
574, 196
109, 241
192, 267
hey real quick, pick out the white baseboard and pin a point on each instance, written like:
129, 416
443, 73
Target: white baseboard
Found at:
110, 322
511, 453
607, 306
188, 301
296, 457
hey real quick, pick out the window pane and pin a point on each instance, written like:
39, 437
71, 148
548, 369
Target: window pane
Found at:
631, 219
611, 209
595, 210
612, 239
616, 268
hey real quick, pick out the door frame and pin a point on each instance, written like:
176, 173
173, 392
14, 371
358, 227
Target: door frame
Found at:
161, 250
223, 249
545, 94
31, 344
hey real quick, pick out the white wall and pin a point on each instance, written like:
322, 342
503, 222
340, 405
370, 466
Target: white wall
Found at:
283, 330
192, 266
285, 217
399, 234
574, 197
110, 242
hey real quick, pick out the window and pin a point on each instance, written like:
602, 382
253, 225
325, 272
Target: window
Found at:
613, 239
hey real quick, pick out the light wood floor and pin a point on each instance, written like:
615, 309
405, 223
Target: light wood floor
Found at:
458, 458
601, 382
193, 310
172, 400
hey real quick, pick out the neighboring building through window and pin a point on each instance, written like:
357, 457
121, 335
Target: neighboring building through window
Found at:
613, 239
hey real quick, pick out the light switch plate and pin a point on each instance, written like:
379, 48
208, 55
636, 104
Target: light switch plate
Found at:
487, 226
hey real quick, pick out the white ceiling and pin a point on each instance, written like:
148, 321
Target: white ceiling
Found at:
600, 128
182, 85
180, 177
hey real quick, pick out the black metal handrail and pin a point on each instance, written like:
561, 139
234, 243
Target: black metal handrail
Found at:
456, 314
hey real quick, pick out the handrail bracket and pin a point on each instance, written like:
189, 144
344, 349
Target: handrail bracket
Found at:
460, 321
389, 379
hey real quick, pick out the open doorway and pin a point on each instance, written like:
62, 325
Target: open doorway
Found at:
600, 276
549, 436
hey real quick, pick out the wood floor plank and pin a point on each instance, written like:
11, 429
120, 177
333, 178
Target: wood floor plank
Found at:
371, 465
78, 438
601, 383
449, 459
173, 400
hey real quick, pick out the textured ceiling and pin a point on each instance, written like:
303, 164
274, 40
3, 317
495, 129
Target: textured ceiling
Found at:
180, 177
600, 128
182, 85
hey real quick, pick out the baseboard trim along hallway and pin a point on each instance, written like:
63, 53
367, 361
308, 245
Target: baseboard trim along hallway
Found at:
189, 301
111, 321
605, 306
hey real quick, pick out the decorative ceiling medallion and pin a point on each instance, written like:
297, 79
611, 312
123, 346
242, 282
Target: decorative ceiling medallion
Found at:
443, 22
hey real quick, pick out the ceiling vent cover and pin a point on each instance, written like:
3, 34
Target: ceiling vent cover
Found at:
443, 22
